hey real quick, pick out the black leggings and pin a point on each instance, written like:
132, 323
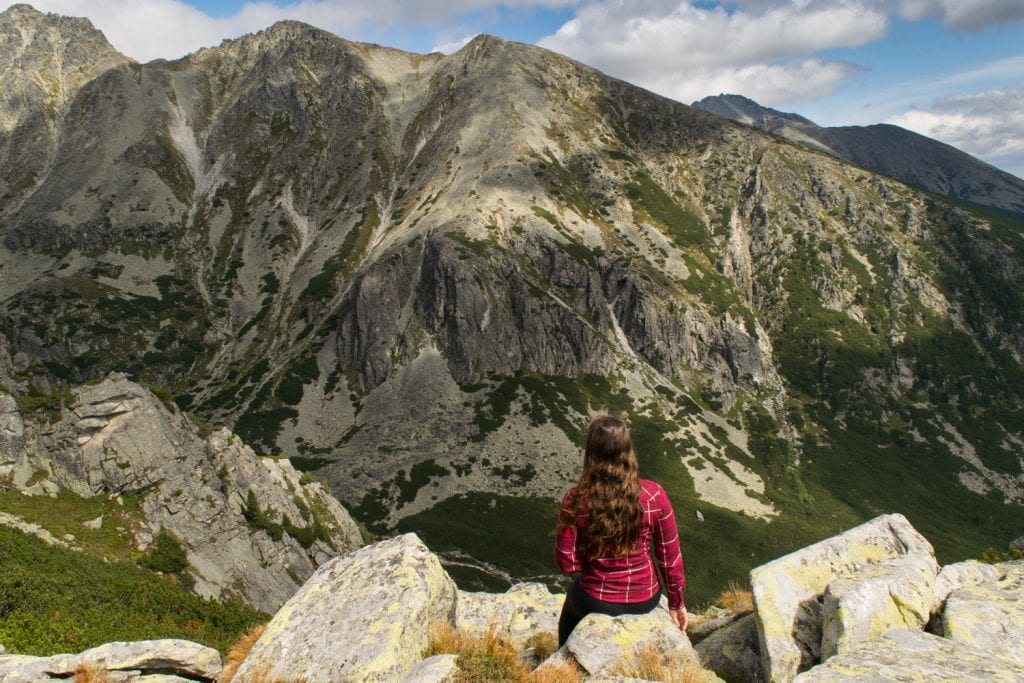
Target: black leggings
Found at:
578, 605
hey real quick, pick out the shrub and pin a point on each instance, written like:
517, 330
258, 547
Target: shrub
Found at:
167, 555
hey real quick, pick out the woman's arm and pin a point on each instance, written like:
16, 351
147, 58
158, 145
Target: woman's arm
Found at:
567, 548
668, 554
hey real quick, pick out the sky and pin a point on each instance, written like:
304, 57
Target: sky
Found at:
949, 69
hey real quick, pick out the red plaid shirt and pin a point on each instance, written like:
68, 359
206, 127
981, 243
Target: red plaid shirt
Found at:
630, 578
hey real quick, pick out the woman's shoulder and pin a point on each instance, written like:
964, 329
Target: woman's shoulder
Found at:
570, 494
651, 489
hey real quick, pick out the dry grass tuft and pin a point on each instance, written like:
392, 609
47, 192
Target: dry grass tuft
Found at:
648, 664
490, 658
542, 645
567, 672
736, 599
239, 651
87, 673
445, 639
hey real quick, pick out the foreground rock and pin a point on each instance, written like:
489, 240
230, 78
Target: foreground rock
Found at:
910, 655
145, 659
873, 600
603, 645
733, 652
787, 591
360, 617
251, 527
522, 611
989, 615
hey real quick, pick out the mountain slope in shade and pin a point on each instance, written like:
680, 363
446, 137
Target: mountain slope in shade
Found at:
418, 275
890, 150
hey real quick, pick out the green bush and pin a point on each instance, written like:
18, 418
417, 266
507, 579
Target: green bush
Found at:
167, 555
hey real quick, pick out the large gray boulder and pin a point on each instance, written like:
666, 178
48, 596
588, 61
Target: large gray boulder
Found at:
436, 669
911, 655
875, 599
990, 615
601, 644
733, 652
520, 612
170, 657
788, 590
361, 617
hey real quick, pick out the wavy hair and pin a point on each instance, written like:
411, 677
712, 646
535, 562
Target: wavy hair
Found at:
608, 492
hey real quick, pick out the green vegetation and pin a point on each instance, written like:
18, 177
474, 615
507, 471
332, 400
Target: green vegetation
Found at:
684, 226
167, 555
257, 518
54, 600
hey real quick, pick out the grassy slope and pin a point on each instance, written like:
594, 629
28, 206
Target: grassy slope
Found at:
54, 600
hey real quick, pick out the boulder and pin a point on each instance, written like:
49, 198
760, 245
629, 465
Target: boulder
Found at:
961, 575
910, 655
733, 652
601, 643
436, 669
788, 591
713, 619
164, 657
521, 611
990, 615
875, 599
360, 617
1017, 544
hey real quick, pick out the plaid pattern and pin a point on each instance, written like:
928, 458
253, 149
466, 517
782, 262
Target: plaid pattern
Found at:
631, 578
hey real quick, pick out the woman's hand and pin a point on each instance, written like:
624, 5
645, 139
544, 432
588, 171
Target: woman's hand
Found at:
680, 618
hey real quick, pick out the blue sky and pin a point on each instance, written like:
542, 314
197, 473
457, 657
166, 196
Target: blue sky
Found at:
950, 69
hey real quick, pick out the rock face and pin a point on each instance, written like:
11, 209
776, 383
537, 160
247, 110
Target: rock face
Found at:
145, 660
521, 611
914, 656
250, 527
989, 615
788, 591
364, 616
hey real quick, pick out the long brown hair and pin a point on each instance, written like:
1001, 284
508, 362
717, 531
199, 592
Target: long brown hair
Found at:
608, 491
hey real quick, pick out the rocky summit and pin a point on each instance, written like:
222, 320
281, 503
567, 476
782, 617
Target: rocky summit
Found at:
376, 614
417, 275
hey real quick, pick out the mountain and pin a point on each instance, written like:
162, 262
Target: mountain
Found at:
890, 150
417, 275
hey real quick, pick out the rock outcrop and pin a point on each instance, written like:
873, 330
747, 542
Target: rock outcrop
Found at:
989, 615
788, 591
908, 655
372, 614
520, 612
251, 527
145, 660
364, 616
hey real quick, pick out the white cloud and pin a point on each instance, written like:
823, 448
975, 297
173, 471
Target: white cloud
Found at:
964, 15
988, 124
151, 29
454, 45
683, 51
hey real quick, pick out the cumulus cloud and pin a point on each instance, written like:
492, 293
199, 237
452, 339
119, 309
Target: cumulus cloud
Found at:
988, 124
454, 45
685, 51
964, 15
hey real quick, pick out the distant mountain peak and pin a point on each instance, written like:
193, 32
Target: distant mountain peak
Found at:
745, 110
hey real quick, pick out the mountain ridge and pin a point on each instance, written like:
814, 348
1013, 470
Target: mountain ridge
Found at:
890, 150
418, 275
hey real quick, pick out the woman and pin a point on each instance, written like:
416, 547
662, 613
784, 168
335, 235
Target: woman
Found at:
607, 525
